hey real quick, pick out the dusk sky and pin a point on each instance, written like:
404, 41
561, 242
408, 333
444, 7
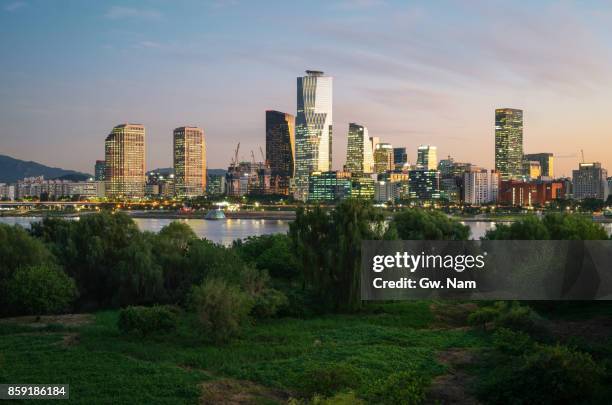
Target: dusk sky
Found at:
417, 72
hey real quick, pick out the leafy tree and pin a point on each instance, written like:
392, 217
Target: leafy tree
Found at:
418, 224
328, 248
39, 290
592, 204
272, 253
553, 226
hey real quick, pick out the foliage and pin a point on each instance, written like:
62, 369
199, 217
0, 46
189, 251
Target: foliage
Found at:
341, 398
329, 380
512, 342
272, 253
222, 309
268, 303
110, 259
328, 248
545, 375
147, 320
506, 314
40, 290
401, 388
553, 226
418, 224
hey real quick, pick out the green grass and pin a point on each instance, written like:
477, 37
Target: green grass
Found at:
105, 366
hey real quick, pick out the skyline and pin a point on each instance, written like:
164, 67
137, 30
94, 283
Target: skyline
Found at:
396, 71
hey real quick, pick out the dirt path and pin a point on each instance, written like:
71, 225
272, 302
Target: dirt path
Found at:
450, 388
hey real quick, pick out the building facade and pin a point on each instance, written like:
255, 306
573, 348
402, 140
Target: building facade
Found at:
509, 143
476, 186
99, 170
313, 129
359, 154
383, 157
590, 181
427, 157
189, 161
125, 162
400, 158
424, 184
280, 149
329, 187
546, 160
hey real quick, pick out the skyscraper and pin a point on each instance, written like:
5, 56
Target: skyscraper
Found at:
125, 161
189, 161
400, 158
383, 157
546, 162
280, 149
509, 143
359, 156
590, 181
99, 170
313, 128
427, 157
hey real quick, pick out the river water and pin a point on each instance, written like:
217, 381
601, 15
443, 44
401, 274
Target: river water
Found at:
226, 231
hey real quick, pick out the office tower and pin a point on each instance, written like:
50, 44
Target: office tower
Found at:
313, 129
532, 169
125, 161
280, 149
359, 155
329, 186
427, 157
383, 157
362, 188
590, 181
99, 170
215, 184
189, 161
424, 184
374, 140
509, 143
494, 186
400, 158
385, 191
546, 161
477, 187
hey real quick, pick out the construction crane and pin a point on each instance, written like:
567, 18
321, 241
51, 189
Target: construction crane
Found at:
235, 159
252, 157
263, 157
582, 153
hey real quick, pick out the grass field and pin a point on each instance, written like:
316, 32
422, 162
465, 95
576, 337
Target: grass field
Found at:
100, 363
266, 365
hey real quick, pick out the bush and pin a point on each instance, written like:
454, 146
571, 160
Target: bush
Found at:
268, 303
546, 375
342, 398
39, 290
402, 388
222, 308
510, 342
147, 320
503, 314
328, 380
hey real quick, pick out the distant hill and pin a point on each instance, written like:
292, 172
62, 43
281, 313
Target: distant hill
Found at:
12, 169
216, 172
165, 171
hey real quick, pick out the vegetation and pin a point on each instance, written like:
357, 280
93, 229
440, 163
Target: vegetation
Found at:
146, 320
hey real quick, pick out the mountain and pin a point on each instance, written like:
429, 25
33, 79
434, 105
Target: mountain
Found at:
12, 169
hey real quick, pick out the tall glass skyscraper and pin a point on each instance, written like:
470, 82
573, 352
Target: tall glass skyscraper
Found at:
427, 157
313, 129
383, 157
509, 143
125, 161
400, 157
359, 155
189, 161
280, 149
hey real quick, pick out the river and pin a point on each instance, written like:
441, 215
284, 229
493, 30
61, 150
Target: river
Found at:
226, 231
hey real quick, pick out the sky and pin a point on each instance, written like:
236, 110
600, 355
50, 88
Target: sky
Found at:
413, 72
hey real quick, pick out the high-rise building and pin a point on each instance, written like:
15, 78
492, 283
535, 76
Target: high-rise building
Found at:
427, 157
125, 161
509, 143
383, 157
400, 158
532, 169
99, 170
477, 188
329, 186
280, 149
359, 155
590, 181
313, 129
546, 160
424, 184
189, 162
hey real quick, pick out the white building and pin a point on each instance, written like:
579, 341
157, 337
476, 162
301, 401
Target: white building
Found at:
590, 181
387, 191
476, 186
7, 191
359, 153
313, 129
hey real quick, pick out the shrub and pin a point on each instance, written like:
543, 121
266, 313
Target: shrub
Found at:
222, 308
510, 342
39, 290
503, 314
571, 375
402, 388
147, 320
268, 303
329, 380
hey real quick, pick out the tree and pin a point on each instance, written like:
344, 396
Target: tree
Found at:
328, 247
418, 224
39, 290
553, 226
